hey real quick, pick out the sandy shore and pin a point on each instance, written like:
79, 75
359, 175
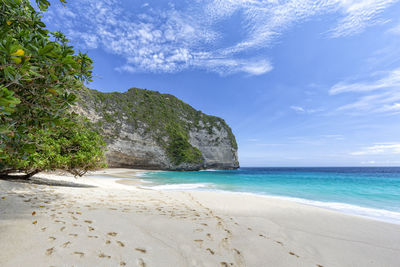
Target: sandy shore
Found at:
105, 220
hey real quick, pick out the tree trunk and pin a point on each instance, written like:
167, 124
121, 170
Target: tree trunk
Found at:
20, 177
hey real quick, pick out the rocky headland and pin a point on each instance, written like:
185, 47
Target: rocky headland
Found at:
149, 130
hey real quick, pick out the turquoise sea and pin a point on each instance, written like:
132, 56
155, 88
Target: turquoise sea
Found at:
372, 192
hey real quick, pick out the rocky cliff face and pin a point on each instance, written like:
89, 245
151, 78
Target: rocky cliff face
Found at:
149, 130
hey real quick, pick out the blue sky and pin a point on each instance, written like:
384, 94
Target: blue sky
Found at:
301, 83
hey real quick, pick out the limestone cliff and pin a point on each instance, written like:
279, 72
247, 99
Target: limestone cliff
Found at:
146, 129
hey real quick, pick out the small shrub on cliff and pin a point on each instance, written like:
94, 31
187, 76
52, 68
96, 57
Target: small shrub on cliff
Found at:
179, 149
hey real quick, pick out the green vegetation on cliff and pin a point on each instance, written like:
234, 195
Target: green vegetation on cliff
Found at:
165, 118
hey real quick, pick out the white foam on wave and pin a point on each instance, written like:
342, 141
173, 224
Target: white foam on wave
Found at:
370, 213
144, 173
180, 186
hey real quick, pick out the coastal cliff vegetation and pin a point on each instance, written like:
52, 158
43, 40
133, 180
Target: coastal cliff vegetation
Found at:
163, 117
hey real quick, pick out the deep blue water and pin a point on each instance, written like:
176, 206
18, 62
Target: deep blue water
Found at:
370, 191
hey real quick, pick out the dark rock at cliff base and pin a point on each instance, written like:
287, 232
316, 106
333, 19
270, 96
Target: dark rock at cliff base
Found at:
149, 130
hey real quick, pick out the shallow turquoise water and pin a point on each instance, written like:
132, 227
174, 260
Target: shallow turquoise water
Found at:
371, 192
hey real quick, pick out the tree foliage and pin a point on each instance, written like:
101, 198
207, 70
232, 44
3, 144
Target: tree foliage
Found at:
39, 73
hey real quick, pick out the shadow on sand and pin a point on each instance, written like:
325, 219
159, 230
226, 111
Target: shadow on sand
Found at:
44, 181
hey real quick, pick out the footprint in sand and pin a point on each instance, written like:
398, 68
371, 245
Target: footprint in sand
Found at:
122, 263
74, 235
140, 263
87, 221
93, 236
90, 228
279, 242
108, 242
293, 254
62, 228
102, 255
228, 232
209, 236
81, 254
238, 257
142, 250
66, 244
112, 233
49, 251
199, 242
211, 251
120, 244
52, 238
198, 230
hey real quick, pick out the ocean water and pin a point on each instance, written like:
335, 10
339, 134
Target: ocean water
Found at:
372, 192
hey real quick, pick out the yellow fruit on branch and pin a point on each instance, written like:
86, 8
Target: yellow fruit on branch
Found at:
18, 53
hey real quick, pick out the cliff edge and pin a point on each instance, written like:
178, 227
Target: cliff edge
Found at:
149, 130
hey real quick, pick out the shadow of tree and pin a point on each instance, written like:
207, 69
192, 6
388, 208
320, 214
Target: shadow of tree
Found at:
43, 181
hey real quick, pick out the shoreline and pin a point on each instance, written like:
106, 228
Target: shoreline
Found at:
377, 214
101, 221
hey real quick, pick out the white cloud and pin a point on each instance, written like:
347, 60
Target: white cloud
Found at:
159, 37
379, 149
391, 79
359, 14
379, 95
299, 109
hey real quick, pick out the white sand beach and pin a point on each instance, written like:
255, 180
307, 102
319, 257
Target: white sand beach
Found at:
103, 219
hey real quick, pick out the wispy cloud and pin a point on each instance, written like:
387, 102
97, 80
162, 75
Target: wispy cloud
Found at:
391, 79
359, 14
159, 37
298, 109
380, 95
395, 30
303, 110
379, 149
